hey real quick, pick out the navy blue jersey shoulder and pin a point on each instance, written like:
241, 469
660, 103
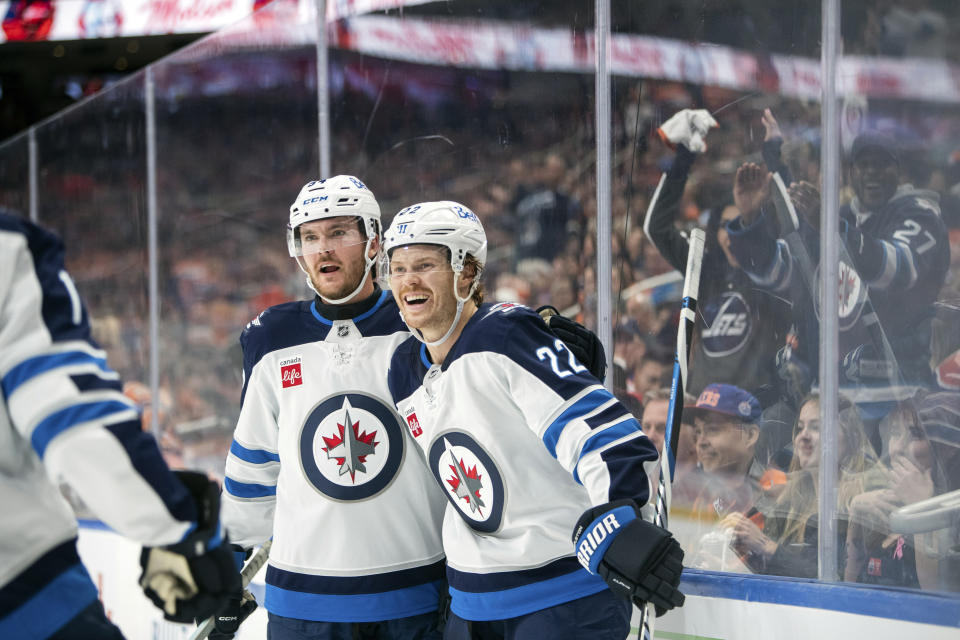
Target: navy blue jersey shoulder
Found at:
408, 365
383, 319
278, 327
63, 313
520, 334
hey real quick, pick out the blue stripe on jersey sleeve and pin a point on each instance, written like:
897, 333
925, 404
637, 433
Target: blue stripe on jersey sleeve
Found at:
146, 459
52, 607
613, 413
253, 456
578, 409
610, 434
37, 365
625, 468
248, 490
58, 422
93, 382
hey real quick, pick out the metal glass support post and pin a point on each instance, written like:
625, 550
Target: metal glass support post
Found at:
323, 89
153, 293
830, 171
604, 213
32, 168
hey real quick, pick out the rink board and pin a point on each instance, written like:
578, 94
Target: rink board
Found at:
719, 606
746, 607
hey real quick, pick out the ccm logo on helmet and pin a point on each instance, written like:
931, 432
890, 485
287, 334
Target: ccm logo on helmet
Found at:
315, 199
593, 538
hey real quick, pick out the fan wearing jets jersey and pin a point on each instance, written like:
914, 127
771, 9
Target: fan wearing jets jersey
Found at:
526, 444
741, 327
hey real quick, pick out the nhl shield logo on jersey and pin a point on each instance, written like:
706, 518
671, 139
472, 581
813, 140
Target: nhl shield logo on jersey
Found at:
351, 446
470, 478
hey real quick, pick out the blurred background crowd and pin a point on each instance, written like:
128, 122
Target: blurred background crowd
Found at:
518, 147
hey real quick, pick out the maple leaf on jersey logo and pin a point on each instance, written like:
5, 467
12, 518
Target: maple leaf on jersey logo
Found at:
350, 448
465, 483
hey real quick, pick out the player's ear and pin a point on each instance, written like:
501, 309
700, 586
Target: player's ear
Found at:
374, 247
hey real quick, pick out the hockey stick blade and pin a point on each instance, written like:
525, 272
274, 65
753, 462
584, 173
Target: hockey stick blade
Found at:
246, 575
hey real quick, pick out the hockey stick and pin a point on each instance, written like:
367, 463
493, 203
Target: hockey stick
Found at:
678, 385
790, 231
246, 575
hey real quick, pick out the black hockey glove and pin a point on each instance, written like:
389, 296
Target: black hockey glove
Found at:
638, 560
197, 577
228, 620
582, 343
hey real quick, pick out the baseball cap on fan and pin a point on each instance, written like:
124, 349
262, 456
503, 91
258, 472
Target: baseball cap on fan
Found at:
728, 400
877, 141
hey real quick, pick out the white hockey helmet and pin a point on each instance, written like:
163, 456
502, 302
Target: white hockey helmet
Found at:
331, 198
447, 224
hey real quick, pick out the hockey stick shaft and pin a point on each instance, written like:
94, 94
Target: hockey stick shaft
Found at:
678, 385
688, 320
246, 575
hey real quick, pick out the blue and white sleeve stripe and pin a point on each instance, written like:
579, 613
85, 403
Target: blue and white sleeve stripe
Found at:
777, 275
587, 429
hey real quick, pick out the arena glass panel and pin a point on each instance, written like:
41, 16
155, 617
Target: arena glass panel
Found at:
899, 122
236, 132
91, 162
703, 94
484, 104
15, 174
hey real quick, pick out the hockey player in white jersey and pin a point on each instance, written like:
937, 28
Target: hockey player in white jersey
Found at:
63, 418
528, 447
320, 461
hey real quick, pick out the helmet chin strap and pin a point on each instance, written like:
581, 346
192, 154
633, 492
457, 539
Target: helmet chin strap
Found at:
456, 318
368, 262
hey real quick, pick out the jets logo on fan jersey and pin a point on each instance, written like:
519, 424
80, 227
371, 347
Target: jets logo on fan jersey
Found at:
852, 294
351, 446
469, 477
728, 325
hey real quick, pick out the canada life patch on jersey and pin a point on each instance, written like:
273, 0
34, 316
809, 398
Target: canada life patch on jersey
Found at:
291, 373
470, 479
413, 423
351, 446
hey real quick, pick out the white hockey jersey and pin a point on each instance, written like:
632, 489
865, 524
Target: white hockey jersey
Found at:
523, 440
322, 463
63, 418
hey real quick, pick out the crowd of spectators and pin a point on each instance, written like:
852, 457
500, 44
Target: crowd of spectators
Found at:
522, 156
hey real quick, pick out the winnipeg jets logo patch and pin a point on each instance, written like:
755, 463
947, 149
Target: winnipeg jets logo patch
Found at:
728, 325
470, 479
351, 446
851, 292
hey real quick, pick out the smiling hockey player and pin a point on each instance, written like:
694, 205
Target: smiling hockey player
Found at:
528, 447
